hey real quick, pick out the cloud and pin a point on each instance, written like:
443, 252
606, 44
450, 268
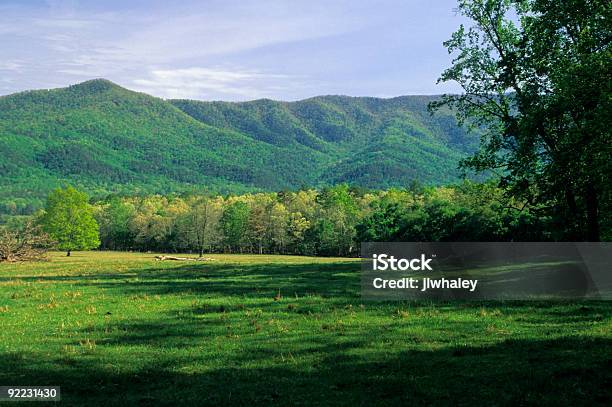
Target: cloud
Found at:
232, 31
12, 65
182, 38
285, 49
198, 82
158, 50
64, 23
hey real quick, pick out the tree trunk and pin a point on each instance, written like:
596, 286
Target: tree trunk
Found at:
68, 253
573, 221
592, 207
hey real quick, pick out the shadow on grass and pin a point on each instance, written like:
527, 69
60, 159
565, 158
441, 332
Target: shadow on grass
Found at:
135, 362
337, 283
337, 280
567, 371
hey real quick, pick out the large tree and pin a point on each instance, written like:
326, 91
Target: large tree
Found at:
235, 223
114, 219
69, 220
536, 78
200, 225
337, 220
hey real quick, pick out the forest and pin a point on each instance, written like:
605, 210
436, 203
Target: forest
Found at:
105, 139
330, 222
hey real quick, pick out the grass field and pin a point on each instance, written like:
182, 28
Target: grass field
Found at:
122, 329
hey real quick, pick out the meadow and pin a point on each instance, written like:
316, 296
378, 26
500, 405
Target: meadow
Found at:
114, 328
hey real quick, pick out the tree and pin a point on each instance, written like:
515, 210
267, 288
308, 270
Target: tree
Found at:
259, 220
24, 243
199, 226
386, 219
277, 228
536, 76
296, 230
339, 215
154, 223
235, 223
69, 220
114, 220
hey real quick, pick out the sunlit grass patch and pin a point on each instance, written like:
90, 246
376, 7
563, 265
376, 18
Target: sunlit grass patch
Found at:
120, 328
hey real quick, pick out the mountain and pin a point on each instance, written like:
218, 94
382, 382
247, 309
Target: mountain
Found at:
372, 142
106, 139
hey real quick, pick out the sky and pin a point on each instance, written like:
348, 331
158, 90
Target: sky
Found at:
229, 50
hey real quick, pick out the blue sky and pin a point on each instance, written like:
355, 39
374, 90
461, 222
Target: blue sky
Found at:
229, 50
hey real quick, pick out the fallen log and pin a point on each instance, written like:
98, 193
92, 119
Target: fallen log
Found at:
162, 258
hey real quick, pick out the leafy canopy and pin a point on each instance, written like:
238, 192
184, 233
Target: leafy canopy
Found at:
537, 76
69, 220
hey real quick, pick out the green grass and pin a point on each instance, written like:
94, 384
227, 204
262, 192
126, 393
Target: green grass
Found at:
121, 328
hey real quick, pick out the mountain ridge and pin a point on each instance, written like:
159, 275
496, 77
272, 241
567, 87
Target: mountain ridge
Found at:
108, 139
111, 84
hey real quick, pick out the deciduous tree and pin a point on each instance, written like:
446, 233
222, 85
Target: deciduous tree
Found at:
69, 220
536, 78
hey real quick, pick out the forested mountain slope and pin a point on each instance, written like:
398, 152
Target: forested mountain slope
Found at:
107, 139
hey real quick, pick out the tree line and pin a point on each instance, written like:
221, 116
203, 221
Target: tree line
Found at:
328, 222
331, 221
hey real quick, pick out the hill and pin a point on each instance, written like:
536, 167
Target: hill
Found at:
107, 139
373, 142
